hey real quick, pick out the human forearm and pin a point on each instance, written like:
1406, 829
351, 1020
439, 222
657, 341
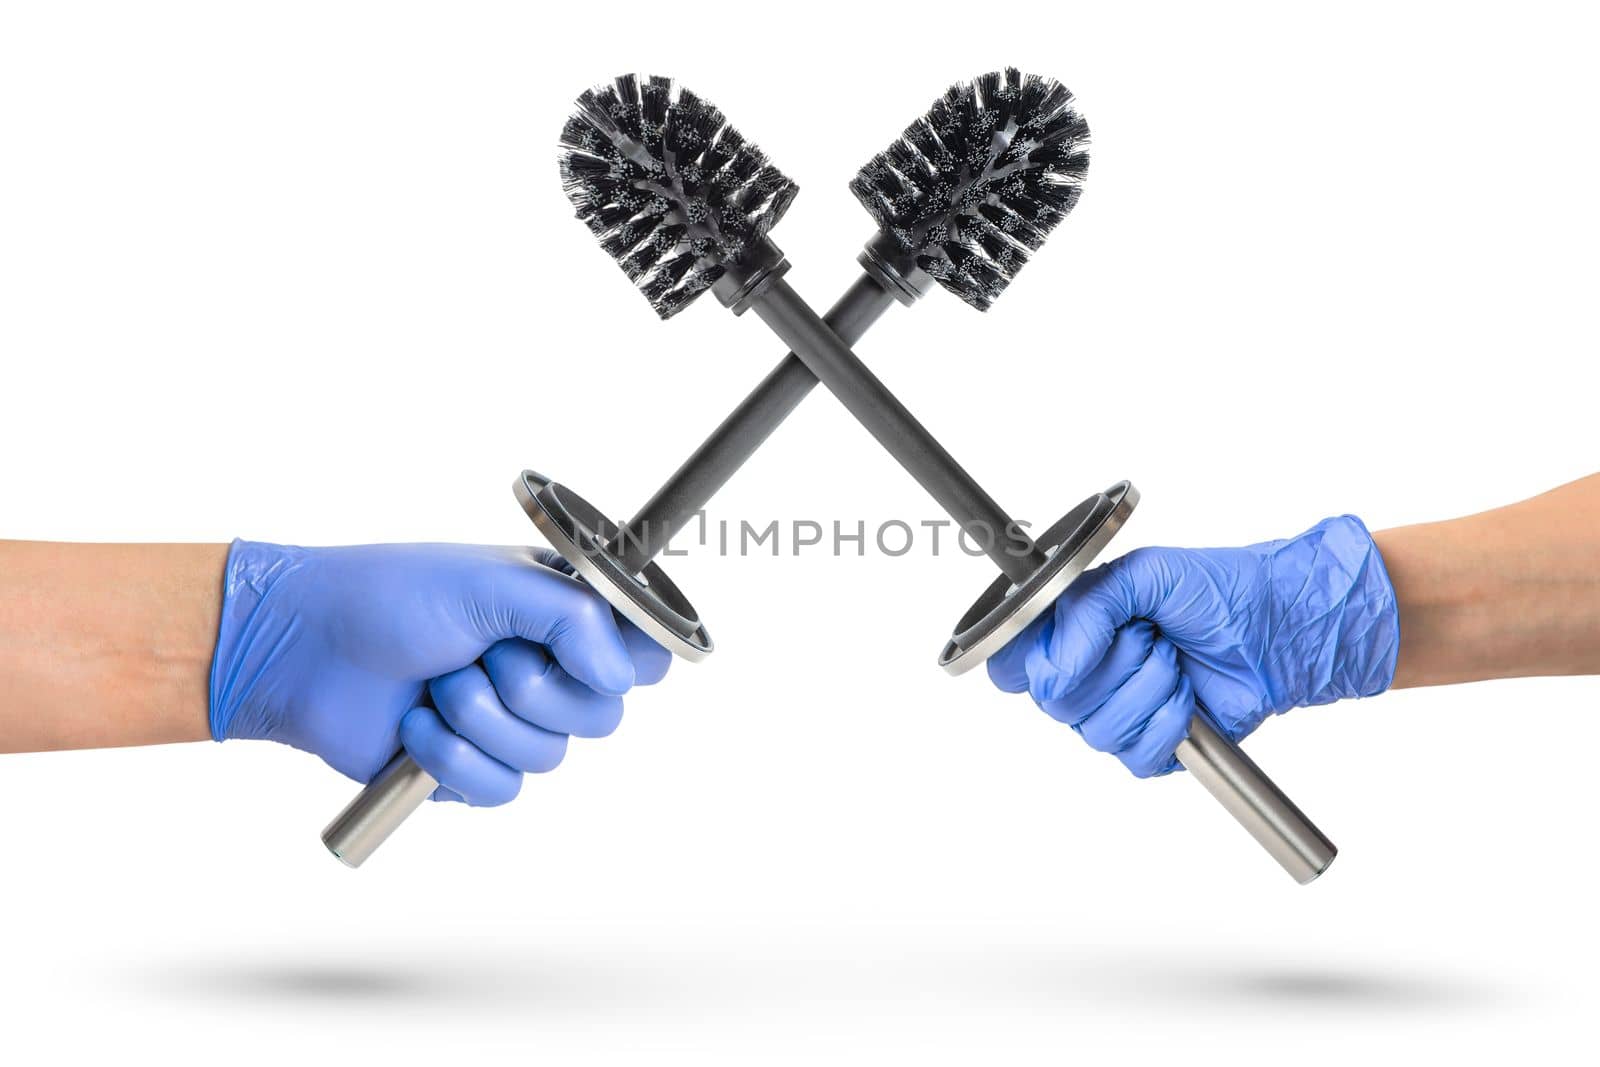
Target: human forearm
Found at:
105, 645
1513, 592
1330, 614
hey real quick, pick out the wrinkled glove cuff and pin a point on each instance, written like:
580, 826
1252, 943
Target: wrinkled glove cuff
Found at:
250, 635
1341, 623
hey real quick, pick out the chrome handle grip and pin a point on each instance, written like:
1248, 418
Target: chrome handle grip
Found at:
1216, 762
378, 810
1252, 798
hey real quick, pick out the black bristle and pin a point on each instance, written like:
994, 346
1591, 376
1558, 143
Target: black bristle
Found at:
975, 186
672, 191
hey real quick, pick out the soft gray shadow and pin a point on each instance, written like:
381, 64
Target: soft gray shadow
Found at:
1337, 987
300, 980
467, 980
1355, 989
605, 979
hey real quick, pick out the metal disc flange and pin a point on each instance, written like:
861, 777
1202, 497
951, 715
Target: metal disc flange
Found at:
580, 532
1005, 609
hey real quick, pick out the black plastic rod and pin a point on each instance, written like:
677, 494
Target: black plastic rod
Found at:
898, 431
741, 433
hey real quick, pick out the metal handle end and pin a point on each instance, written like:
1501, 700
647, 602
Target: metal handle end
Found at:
1312, 876
378, 810
1256, 802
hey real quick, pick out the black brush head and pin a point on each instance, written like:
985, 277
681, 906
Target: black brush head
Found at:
671, 191
973, 187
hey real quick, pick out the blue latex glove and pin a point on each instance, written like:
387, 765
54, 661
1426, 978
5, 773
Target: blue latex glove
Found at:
1248, 632
480, 661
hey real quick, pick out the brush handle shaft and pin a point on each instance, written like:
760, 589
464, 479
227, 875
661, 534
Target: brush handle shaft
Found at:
402, 786
739, 436
1252, 798
897, 430
1231, 776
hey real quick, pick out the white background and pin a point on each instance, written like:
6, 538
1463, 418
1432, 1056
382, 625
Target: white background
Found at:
304, 272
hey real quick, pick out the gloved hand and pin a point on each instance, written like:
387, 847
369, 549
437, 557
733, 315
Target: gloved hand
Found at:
1248, 632
480, 661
